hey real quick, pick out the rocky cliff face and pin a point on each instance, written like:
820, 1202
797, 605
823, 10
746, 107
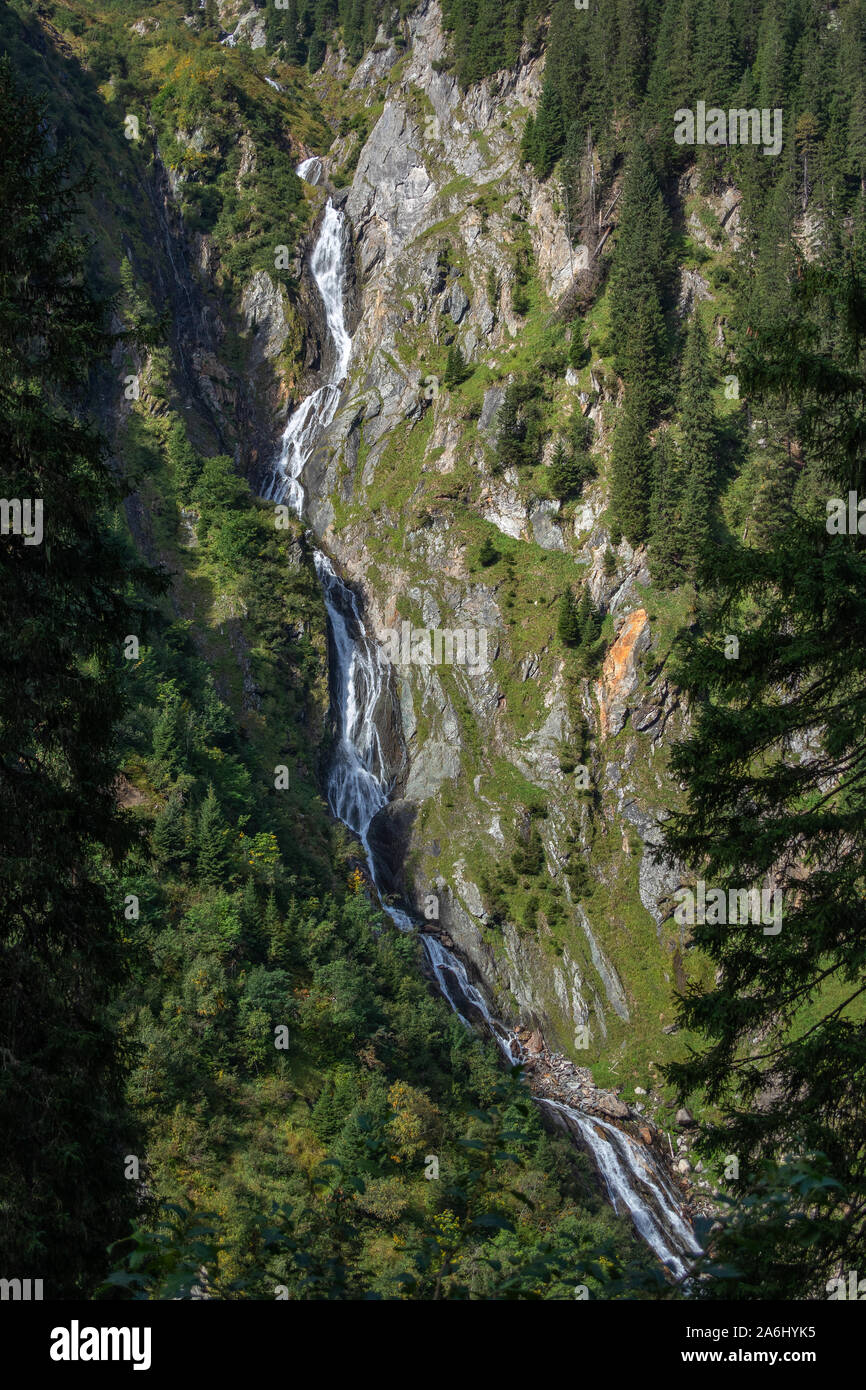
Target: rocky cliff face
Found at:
398, 493
527, 800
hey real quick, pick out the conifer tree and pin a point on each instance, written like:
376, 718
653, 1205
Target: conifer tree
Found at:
548, 134
668, 538
456, 370
699, 444
628, 75
278, 933
212, 840
568, 622
640, 278
359, 1146
295, 48
168, 837
776, 776
773, 506
169, 732
251, 920
337, 1099
271, 919
589, 619
856, 141
512, 431
316, 50
185, 462
631, 472
576, 350
561, 474
528, 142
328, 1117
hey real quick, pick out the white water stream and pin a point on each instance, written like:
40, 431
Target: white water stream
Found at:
359, 787
315, 413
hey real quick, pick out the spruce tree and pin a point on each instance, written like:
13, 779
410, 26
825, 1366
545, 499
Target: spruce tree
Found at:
640, 280
359, 1146
456, 370
668, 538
548, 134
773, 506
776, 775
631, 472
564, 481
568, 622
628, 75
528, 142
577, 353
589, 619
316, 50
168, 837
511, 439
185, 462
212, 840
295, 48
699, 444
169, 733
278, 934
327, 1117
856, 141
251, 921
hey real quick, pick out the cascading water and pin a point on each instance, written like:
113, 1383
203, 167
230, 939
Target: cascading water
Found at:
318, 410
357, 782
310, 170
635, 1182
359, 786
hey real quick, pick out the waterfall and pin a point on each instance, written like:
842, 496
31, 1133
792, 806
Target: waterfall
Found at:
359, 787
310, 170
315, 413
635, 1182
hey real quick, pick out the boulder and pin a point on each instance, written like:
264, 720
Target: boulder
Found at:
389, 836
609, 1106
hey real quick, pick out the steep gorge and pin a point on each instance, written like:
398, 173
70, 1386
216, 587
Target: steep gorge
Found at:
397, 490
362, 776
456, 407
